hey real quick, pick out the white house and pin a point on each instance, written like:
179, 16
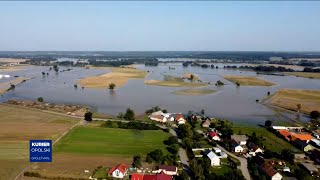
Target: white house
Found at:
216, 150
214, 136
254, 149
158, 118
215, 160
168, 170
236, 146
119, 171
223, 155
180, 119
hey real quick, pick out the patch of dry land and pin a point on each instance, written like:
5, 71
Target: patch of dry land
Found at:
305, 74
118, 76
289, 98
194, 92
12, 60
188, 76
19, 125
248, 81
4, 86
173, 83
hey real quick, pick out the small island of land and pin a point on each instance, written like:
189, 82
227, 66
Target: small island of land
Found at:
305, 74
309, 100
5, 86
173, 81
118, 76
194, 92
248, 81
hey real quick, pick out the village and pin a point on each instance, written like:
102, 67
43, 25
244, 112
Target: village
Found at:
217, 144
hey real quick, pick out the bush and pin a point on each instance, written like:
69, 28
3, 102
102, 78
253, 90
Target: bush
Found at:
130, 125
40, 99
129, 115
315, 114
88, 116
112, 86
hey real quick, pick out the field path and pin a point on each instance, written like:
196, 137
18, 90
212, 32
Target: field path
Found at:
19, 176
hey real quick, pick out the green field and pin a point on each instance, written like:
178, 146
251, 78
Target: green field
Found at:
111, 142
271, 142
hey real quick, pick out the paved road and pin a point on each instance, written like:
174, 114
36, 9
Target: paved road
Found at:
243, 163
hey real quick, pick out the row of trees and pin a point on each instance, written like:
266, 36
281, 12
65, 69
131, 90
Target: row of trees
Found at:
130, 125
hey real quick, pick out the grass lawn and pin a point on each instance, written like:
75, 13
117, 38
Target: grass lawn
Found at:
305, 74
248, 81
221, 170
194, 92
289, 98
19, 125
111, 141
271, 142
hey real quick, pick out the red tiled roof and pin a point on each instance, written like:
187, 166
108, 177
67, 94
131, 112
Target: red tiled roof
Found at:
179, 116
268, 170
213, 134
136, 176
121, 167
284, 133
303, 137
160, 176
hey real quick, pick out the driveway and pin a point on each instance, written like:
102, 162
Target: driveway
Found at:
243, 163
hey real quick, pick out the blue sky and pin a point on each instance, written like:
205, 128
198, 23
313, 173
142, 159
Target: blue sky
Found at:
160, 26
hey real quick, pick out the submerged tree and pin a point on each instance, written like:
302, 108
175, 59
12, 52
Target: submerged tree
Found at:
40, 99
112, 86
88, 116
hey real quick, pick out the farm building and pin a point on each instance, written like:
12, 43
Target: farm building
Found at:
119, 171
241, 139
214, 159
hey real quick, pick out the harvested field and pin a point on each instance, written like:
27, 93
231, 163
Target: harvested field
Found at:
305, 74
19, 125
194, 92
4, 86
12, 60
248, 81
118, 76
289, 98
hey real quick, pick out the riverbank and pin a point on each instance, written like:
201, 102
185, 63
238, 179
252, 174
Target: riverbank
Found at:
305, 74
173, 83
290, 98
248, 81
118, 76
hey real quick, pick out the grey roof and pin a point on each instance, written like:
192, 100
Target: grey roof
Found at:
310, 167
239, 138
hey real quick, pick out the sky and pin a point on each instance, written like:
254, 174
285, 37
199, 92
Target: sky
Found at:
160, 26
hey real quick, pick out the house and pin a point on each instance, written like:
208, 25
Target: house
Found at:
309, 167
216, 150
223, 155
160, 176
241, 139
136, 176
302, 145
180, 119
285, 134
267, 169
315, 142
214, 136
206, 123
118, 171
254, 149
279, 127
236, 146
168, 170
214, 159
303, 137
158, 118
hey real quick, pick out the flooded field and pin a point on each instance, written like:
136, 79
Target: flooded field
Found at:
236, 103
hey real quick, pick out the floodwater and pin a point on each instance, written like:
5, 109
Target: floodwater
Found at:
229, 102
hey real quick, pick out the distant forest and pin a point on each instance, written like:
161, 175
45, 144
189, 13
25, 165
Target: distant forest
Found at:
91, 55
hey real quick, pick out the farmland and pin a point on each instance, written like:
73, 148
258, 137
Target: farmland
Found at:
290, 98
18, 126
248, 81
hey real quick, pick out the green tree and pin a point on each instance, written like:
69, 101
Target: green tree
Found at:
197, 169
287, 155
129, 115
120, 115
315, 114
40, 99
155, 156
112, 86
268, 123
136, 161
187, 143
56, 68
184, 130
164, 111
88, 116
202, 111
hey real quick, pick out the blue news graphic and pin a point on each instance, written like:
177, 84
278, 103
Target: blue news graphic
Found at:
40, 150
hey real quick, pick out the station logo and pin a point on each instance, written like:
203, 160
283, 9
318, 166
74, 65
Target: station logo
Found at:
40, 150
